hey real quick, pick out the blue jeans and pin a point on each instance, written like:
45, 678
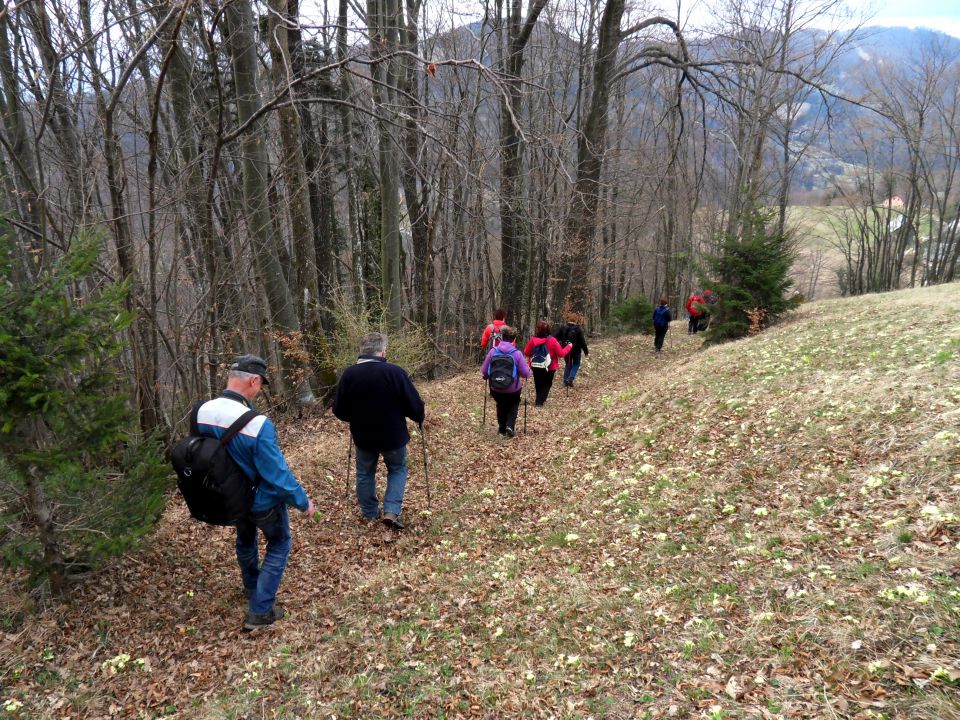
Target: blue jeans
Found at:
261, 582
570, 371
396, 462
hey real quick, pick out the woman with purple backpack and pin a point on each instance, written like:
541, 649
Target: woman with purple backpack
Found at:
504, 368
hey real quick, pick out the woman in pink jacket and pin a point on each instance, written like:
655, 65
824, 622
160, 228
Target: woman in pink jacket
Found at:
544, 353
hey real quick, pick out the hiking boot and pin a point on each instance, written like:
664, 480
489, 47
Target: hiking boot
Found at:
509, 432
392, 520
262, 620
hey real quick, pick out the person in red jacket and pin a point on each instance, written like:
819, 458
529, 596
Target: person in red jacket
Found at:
493, 333
544, 353
694, 310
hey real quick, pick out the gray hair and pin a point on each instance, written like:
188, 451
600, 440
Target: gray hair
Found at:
241, 375
373, 343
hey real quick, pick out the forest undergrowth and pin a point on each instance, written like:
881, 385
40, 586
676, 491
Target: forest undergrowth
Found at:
764, 529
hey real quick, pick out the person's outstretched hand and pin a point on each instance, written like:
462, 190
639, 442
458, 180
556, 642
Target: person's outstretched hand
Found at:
311, 509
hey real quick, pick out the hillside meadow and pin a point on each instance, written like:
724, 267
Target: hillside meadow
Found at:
765, 529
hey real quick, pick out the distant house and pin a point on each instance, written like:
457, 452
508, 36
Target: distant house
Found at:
894, 202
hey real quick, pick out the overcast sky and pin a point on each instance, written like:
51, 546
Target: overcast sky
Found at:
942, 15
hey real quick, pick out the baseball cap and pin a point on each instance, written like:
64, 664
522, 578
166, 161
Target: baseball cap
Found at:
251, 364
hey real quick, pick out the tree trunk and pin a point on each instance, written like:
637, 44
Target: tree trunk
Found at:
30, 202
42, 514
142, 333
216, 281
416, 188
514, 230
238, 28
382, 19
573, 293
304, 260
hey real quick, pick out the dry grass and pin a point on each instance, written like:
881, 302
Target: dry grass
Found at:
765, 529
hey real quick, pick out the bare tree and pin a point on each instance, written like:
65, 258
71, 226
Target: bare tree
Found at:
572, 289
238, 30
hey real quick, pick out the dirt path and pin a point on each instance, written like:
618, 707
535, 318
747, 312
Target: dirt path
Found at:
177, 605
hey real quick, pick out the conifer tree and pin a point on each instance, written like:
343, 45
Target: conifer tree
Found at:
750, 278
79, 483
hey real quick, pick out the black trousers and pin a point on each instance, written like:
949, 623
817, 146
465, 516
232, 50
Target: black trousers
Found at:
660, 334
508, 405
542, 381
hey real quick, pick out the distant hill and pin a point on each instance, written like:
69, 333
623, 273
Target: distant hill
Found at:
859, 57
869, 51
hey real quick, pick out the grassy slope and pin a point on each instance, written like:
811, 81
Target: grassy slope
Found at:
764, 529
816, 226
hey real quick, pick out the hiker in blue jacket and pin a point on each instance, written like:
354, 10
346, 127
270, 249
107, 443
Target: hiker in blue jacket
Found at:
376, 398
506, 393
256, 451
661, 323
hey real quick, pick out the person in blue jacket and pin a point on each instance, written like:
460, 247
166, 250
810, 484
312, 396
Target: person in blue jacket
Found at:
256, 451
661, 323
376, 398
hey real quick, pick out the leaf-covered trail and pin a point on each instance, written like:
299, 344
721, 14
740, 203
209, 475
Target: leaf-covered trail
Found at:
764, 529
177, 604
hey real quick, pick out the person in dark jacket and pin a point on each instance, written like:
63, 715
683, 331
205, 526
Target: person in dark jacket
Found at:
661, 323
376, 397
256, 451
507, 399
572, 333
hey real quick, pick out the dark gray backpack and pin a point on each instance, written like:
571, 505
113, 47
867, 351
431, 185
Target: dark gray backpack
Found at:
217, 491
502, 371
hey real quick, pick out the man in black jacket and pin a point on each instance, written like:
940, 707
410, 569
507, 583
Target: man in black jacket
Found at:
376, 397
572, 333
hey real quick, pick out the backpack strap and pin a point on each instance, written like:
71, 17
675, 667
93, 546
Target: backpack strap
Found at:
239, 424
194, 426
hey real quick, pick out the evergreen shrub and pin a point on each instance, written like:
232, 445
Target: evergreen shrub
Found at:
81, 483
751, 280
632, 315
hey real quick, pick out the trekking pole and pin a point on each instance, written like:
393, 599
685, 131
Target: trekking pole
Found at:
349, 458
426, 474
483, 423
525, 407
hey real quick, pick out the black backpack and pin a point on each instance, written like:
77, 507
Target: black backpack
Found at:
502, 371
217, 491
568, 334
